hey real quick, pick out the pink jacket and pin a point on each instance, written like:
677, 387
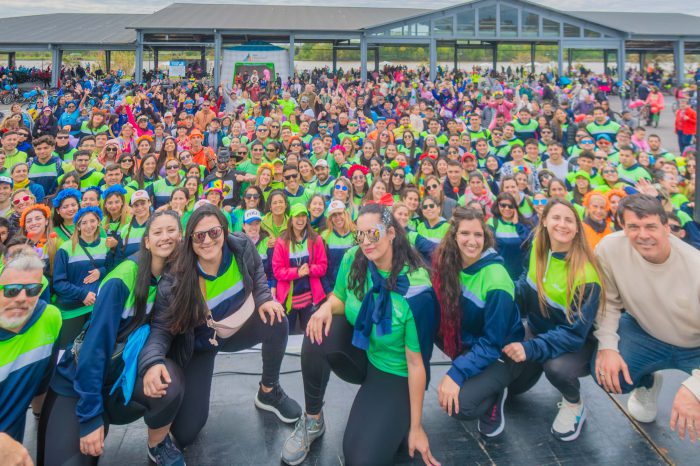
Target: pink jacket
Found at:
285, 273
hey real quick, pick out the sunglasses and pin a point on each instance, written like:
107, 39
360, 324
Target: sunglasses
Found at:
126, 161
243, 153
430, 187
429, 206
587, 141
21, 199
608, 172
13, 290
505, 205
271, 149
373, 235
541, 202
61, 137
213, 233
252, 196
352, 124
399, 175
260, 130
172, 167
110, 149
295, 144
291, 177
341, 187
674, 228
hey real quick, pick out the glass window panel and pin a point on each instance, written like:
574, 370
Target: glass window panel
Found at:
465, 23
550, 28
423, 29
589, 33
487, 21
443, 26
509, 21
571, 31
531, 24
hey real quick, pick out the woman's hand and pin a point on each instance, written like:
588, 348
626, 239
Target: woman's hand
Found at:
93, 443
89, 299
303, 271
515, 351
111, 242
156, 381
272, 309
448, 395
92, 276
320, 323
418, 440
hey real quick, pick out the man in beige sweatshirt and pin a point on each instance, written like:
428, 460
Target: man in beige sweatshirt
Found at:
653, 277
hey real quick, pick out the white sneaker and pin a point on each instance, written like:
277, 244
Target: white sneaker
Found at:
642, 402
569, 421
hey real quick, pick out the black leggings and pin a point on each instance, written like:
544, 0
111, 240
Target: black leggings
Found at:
479, 393
380, 416
59, 431
70, 328
194, 410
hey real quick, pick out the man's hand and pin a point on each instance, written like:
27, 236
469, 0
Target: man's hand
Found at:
685, 414
13, 453
608, 365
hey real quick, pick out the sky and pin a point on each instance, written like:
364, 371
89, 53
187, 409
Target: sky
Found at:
33, 7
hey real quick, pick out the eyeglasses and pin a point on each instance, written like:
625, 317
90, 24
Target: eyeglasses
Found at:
358, 178
172, 167
291, 177
19, 200
373, 235
430, 187
674, 228
341, 187
252, 196
275, 126
541, 202
213, 233
429, 206
13, 290
271, 149
110, 149
505, 205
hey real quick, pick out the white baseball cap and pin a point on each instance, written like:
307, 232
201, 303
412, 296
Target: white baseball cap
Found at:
336, 206
139, 195
251, 216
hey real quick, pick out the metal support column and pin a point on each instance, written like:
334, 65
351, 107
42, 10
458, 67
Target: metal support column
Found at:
569, 59
11, 59
433, 59
621, 53
334, 52
679, 61
376, 58
108, 61
155, 58
642, 61
292, 51
217, 58
56, 58
363, 59
455, 57
138, 58
533, 54
560, 59
494, 56
605, 61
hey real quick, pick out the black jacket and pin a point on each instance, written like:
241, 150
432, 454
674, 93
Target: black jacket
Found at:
161, 342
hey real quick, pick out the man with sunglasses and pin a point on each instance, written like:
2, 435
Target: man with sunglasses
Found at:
230, 177
63, 149
295, 192
29, 329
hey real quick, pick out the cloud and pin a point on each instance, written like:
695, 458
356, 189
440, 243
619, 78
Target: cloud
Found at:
22, 7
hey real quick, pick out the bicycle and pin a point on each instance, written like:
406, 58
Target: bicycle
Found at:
651, 118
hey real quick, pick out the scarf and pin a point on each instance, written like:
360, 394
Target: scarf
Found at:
376, 308
21, 184
598, 227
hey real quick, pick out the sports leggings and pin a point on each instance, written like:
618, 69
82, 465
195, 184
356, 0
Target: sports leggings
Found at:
194, 410
59, 431
380, 416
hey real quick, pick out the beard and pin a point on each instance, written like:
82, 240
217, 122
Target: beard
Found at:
14, 323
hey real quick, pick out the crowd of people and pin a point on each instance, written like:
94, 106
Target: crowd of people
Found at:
517, 223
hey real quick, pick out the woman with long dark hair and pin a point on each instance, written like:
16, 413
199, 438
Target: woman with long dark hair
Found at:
65, 205
478, 318
561, 297
376, 329
511, 233
80, 405
221, 278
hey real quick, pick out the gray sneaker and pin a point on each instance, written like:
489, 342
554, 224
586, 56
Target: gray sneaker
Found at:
306, 430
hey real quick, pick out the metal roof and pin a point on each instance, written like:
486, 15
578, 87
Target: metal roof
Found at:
640, 23
69, 28
271, 17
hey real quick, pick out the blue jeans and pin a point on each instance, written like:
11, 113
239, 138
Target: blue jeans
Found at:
645, 355
684, 140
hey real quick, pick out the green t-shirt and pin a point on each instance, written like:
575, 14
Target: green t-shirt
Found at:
388, 352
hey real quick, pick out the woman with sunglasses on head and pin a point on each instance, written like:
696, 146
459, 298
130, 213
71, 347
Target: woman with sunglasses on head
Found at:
66, 204
81, 403
161, 188
376, 329
561, 298
79, 267
230, 308
299, 262
478, 318
511, 233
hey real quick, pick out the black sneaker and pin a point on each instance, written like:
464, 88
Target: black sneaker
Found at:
166, 454
494, 421
276, 401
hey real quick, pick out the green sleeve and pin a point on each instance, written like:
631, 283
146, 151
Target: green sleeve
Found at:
341, 286
411, 333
